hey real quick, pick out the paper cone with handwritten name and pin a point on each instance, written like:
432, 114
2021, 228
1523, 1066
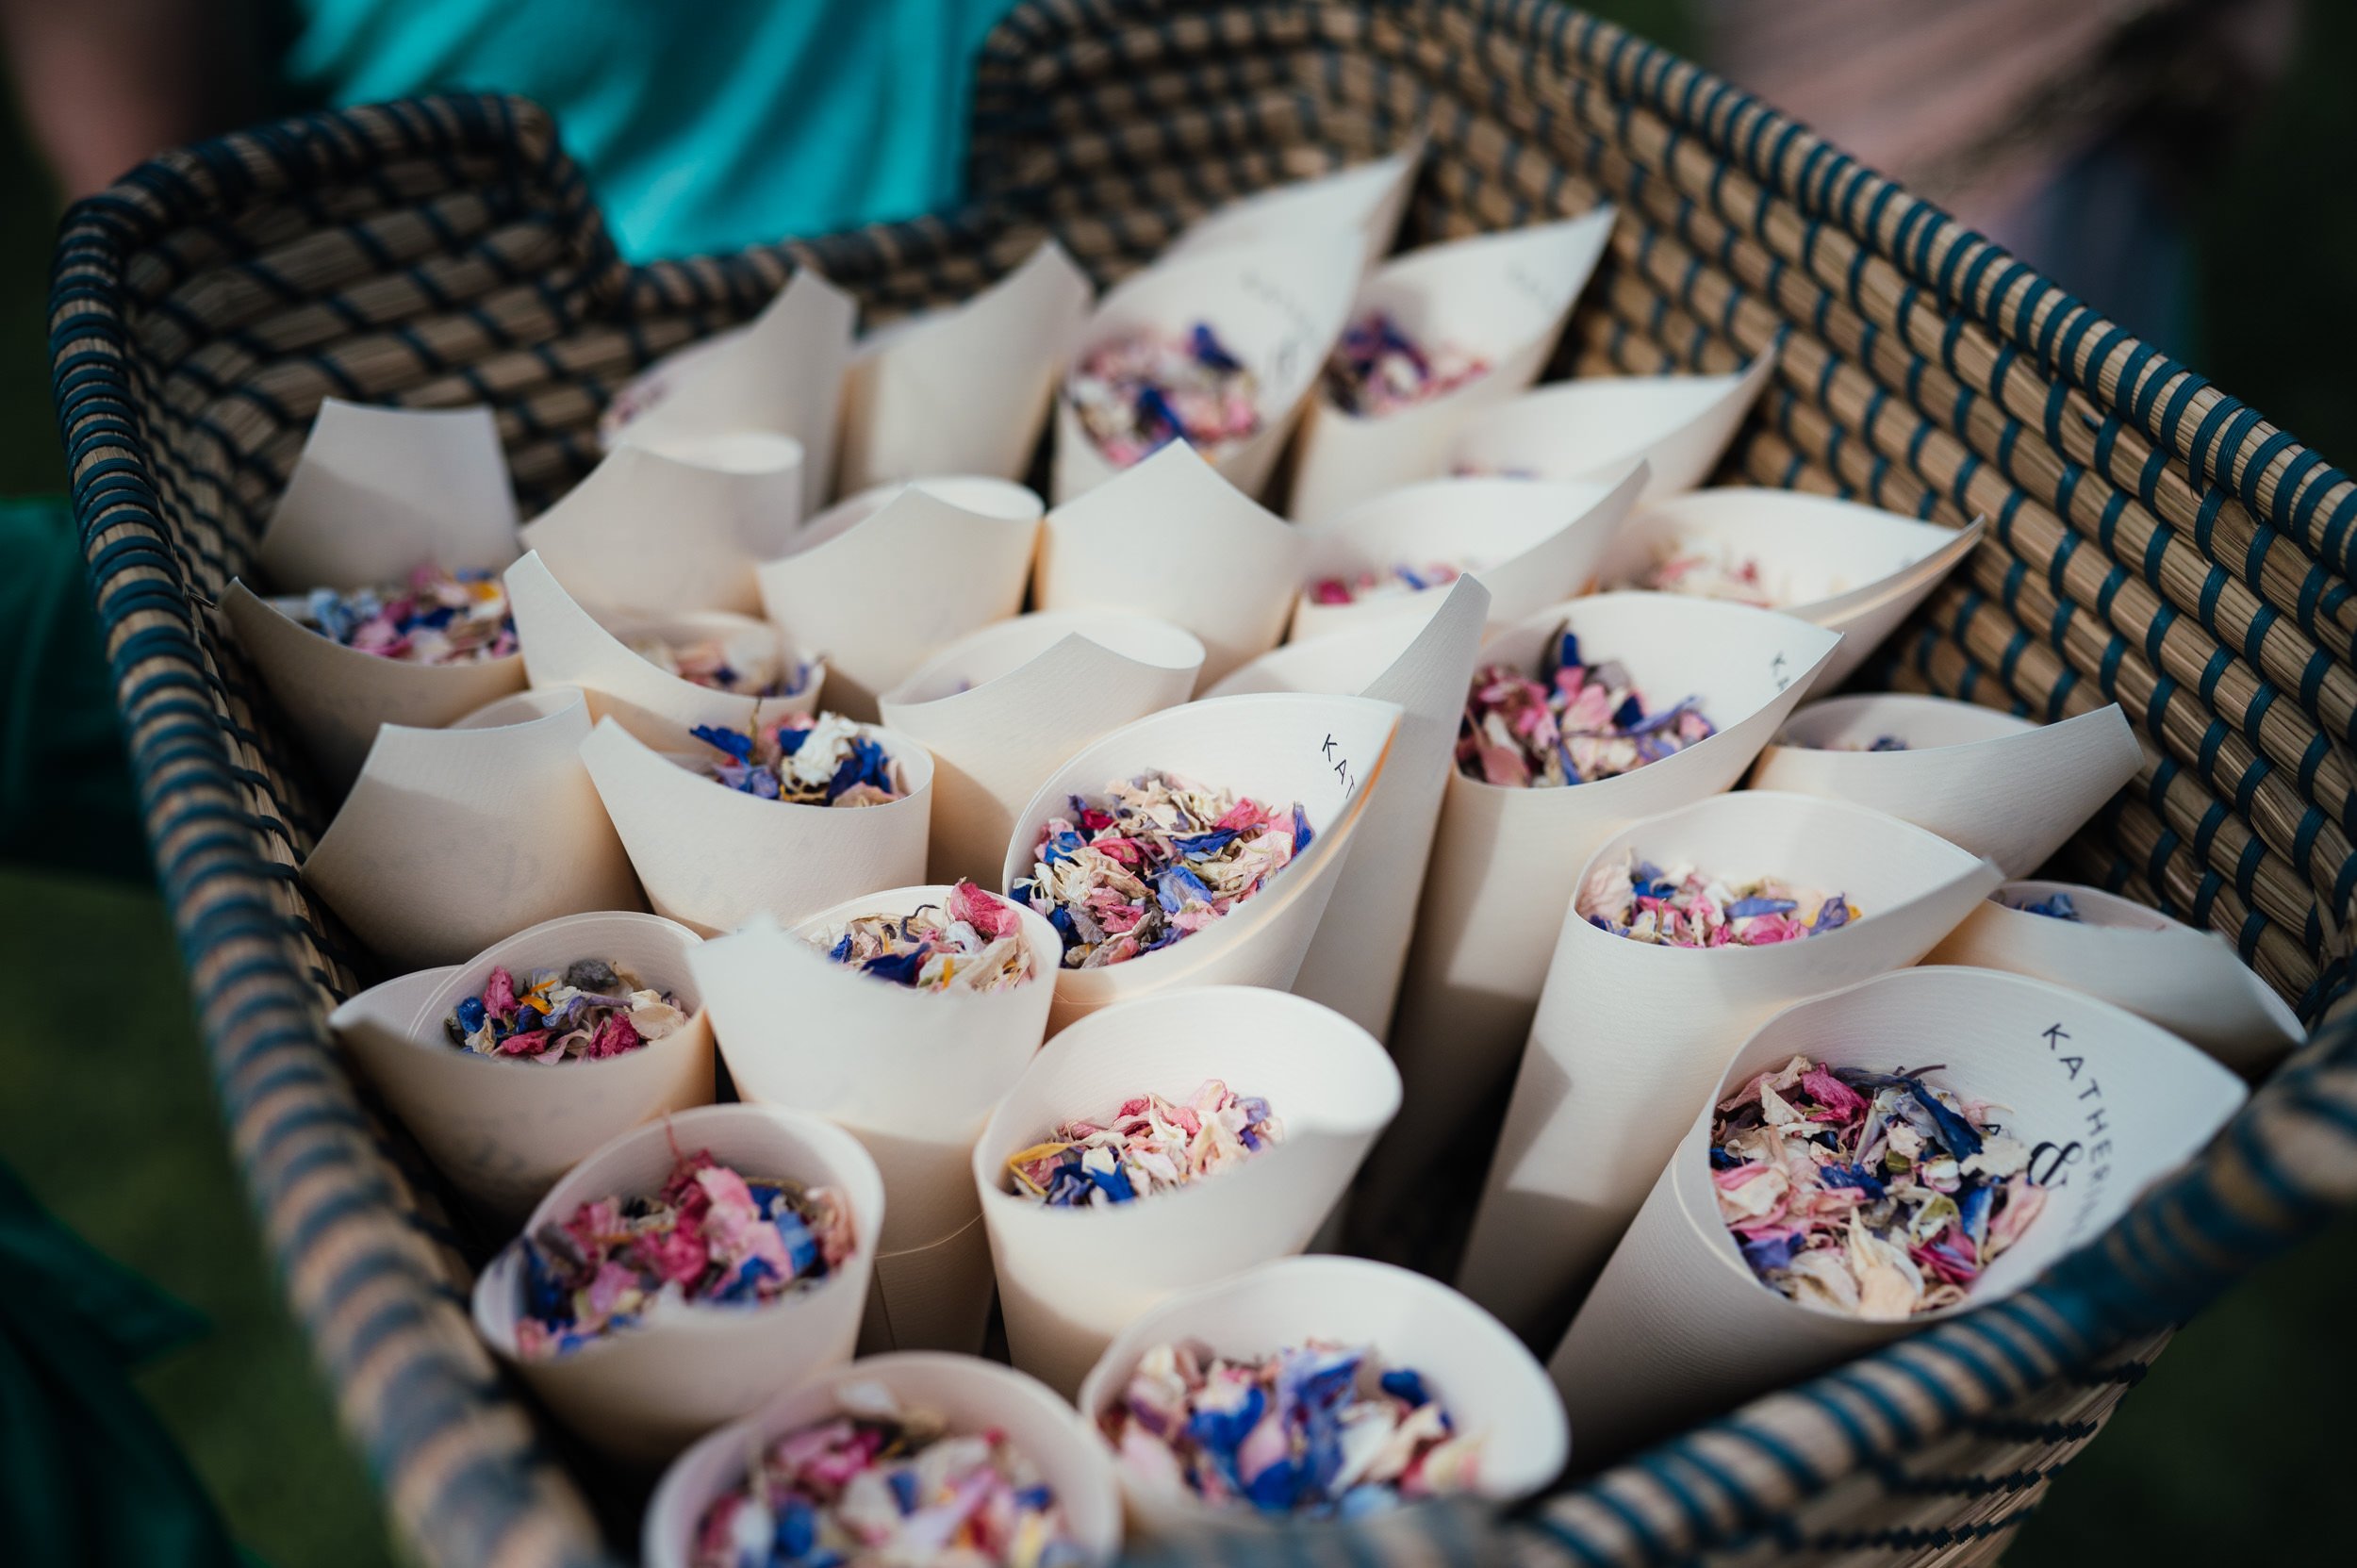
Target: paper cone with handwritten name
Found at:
1679, 1327
1500, 299
1000, 707
911, 1074
640, 1394
1366, 199
647, 533
1070, 1278
1595, 427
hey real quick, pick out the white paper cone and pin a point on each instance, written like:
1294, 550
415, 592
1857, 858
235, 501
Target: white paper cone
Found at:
1276, 307
643, 1394
1366, 199
970, 1396
1506, 861
378, 493
1233, 584
2001, 786
1595, 427
889, 578
1478, 1372
1679, 1327
910, 1075
1000, 707
964, 390
1628, 1034
714, 857
1325, 753
1071, 1279
1501, 298
2186, 981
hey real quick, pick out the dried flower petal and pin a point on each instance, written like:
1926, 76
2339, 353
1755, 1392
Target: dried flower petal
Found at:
1377, 369
803, 759
2054, 906
712, 662
1150, 1145
1137, 394
974, 944
1687, 908
1581, 721
436, 618
1400, 580
588, 1010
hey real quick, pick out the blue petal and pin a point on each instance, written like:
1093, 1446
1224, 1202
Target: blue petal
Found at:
720, 739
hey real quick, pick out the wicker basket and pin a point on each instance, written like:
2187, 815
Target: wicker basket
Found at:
2153, 543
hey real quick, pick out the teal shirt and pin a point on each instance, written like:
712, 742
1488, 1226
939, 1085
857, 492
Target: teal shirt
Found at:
704, 127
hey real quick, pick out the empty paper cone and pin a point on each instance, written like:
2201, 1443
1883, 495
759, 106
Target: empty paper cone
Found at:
1276, 306
1325, 754
971, 1396
1595, 427
378, 493
1001, 706
1500, 299
911, 1074
642, 1394
714, 857
966, 390
1094, 554
1366, 199
1480, 1373
1505, 862
1070, 1278
2116, 950
885, 580
2002, 787
649, 533
1679, 1327
1629, 1034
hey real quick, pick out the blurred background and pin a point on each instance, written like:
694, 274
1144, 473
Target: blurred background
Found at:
2176, 163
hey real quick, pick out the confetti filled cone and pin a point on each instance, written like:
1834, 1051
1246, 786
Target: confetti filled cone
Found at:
498, 805
1366, 199
1679, 1327
1277, 307
971, 1396
714, 857
891, 576
657, 534
1629, 1033
378, 493
642, 1394
2188, 982
1356, 958
1968, 773
502, 1129
1595, 427
1500, 298
1092, 555
1327, 754
966, 390
1505, 862
911, 1075
1071, 1279
1000, 707
1480, 1373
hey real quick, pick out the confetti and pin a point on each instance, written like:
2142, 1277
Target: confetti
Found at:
1137, 394
1581, 722
1160, 858
711, 1237
712, 662
1319, 1429
1703, 571
1400, 579
437, 618
1150, 1146
2054, 906
1872, 1194
588, 1010
1685, 908
805, 760
973, 942
1377, 369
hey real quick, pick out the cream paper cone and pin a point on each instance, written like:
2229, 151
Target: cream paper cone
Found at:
1071, 1279
1232, 583
970, 1396
1001, 706
641, 1395
1506, 861
1595, 427
1629, 1033
1531, 543
1679, 1327
1366, 199
451, 838
1480, 1373
966, 390
714, 857
378, 493
1327, 754
2001, 786
568, 646
1501, 298
890, 577
1276, 307
2186, 981
910, 1075
1355, 960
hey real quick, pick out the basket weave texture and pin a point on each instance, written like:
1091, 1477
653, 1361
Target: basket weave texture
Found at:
2152, 543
